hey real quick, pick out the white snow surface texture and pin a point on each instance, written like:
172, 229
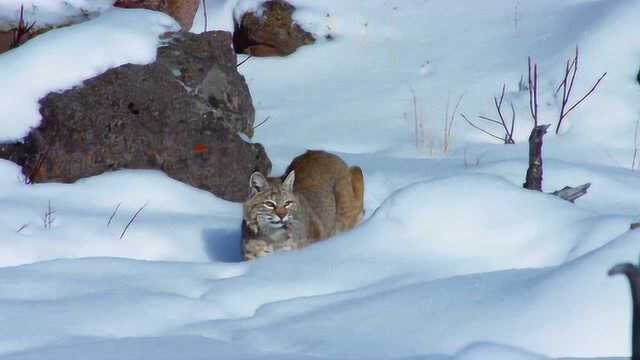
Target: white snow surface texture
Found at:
454, 260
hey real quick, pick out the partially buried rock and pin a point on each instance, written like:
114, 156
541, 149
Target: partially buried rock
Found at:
181, 114
270, 33
182, 10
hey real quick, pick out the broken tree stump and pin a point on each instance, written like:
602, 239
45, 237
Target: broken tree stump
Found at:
533, 180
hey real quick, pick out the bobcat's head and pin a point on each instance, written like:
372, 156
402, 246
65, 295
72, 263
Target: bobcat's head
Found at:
272, 203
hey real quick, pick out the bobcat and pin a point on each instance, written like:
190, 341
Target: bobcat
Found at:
318, 196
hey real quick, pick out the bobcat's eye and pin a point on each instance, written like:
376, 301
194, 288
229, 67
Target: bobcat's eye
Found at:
270, 204
288, 203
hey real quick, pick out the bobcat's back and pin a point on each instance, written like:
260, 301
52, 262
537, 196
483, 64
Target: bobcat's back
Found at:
333, 191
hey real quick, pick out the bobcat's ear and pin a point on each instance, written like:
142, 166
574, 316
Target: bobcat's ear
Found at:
287, 183
258, 183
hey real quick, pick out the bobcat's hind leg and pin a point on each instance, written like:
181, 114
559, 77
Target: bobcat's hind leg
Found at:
357, 183
349, 199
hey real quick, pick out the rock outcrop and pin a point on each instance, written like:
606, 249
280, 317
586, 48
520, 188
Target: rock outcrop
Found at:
273, 33
182, 10
181, 114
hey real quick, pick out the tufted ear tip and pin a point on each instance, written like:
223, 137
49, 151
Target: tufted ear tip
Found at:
258, 183
287, 184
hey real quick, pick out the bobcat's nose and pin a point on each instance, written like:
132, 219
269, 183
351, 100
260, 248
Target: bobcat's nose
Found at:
281, 212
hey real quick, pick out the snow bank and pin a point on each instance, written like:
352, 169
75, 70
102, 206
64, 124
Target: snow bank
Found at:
309, 305
178, 223
483, 351
196, 348
410, 315
461, 221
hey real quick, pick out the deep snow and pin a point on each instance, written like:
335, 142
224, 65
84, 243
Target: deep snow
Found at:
454, 260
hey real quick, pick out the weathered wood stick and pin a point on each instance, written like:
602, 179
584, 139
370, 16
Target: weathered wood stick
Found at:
632, 273
572, 193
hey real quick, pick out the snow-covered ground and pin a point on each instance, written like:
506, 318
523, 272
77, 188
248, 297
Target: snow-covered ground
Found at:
454, 260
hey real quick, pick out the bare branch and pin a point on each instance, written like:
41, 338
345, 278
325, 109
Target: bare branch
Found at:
634, 162
24, 226
133, 218
497, 102
417, 122
244, 61
448, 123
262, 122
480, 129
113, 214
489, 119
23, 29
533, 91
47, 216
513, 120
566, 85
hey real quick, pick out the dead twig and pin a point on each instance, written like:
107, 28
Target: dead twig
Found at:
47, 216
449, 118
571, 69
262, 122
244, 61
32, 173
113, 214
634, 162
417, 123
18, 34
508, 130
24, 226
533, 91
133, 218
479, 128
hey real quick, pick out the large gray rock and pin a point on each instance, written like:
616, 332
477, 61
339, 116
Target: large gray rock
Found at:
181, 114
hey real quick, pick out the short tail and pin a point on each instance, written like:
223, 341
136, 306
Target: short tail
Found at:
357, 183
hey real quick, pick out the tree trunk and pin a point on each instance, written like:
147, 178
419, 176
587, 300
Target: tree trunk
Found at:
534, 172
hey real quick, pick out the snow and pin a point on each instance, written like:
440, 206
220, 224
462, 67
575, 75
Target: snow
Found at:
218, 16
454, 261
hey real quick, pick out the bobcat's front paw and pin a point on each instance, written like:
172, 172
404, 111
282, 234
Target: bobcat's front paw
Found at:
256, 248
